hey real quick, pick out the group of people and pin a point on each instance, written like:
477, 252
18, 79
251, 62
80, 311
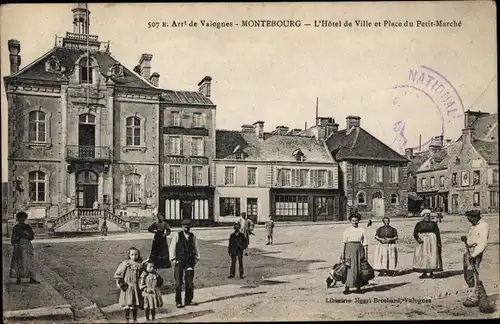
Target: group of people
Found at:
428, 251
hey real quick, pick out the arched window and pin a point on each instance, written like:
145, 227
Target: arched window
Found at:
86, 71
361, 198
133, 188
37, 186
133, 131
377, 195
37, 126
394, 198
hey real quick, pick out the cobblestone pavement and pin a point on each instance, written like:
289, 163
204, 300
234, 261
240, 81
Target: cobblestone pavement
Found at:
288, 278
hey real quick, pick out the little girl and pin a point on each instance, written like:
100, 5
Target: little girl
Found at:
127, 280
150, 284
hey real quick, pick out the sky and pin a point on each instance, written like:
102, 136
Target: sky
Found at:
276, 74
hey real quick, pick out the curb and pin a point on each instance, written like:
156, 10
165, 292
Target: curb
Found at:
60, 313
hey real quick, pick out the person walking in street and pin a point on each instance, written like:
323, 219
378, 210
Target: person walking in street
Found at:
355, 250
386, 252
184, 254
104, 228
22, 254
440, 214
246, 226
127, 277
150, 283
270, 230
427, 258
477, 239
159, 248
237, 245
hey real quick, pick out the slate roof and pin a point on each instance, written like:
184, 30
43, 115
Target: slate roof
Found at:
487, 149
68, 57
485, 126
416, 162
360, 145
271, 148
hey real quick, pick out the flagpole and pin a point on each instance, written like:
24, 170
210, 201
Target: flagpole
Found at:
88, 54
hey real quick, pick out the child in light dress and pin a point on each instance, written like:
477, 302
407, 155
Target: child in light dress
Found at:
150, 284
127, 280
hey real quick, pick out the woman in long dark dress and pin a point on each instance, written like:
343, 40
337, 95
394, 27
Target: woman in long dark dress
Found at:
427, 258
159, 248
22, 255
355, 250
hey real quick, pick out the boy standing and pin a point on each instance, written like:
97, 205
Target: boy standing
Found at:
269, 230
237, 245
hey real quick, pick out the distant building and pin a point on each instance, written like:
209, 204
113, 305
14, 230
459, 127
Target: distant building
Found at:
372, 176
292, 177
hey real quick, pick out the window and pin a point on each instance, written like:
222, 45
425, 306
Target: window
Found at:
321, 206
393, 174
495, 176
252, 176
432, 182
133, 125
174, 143
394, 199
423, 182
494, 200
291, 206
361, 197
454, 181
197, 146
37, 186
377, 174
175, 175
229, 206
133, 188
322, 180
85, 71
37, 126
197, 120
229, 176
286, 177
175, 118
239, 155
475, 199
303, 177
476, 177
313, 178
197, 175
361, 174
295, 177
441, 181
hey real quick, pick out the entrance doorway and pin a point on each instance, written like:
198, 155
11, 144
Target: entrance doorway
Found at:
187, 209
86, 136
454, 204
378, 208
252, 209
86, 189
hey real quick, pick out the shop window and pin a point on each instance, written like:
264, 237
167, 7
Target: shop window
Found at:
229, 206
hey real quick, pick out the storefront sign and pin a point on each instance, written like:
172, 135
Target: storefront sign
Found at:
186, 195
89, 224
186, 160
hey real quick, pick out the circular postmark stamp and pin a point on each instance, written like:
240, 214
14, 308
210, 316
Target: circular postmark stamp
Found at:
429, 106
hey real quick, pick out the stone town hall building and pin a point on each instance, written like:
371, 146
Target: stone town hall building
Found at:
83, 129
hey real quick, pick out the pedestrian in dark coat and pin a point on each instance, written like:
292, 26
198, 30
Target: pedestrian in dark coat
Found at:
237, 246
22, 255
159, 249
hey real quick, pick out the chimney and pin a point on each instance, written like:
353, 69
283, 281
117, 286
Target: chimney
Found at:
205, 86
467, 135
155, 79
281, 130
258, 127
145, 63
246, 128
409, 153
352, 121
15, 59
437, 141
472, 116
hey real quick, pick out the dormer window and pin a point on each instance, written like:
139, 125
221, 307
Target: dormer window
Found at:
85, 72
238, 153
239, 156
457, 161
299, 156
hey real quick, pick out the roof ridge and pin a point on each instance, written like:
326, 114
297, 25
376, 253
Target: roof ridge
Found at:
387, 146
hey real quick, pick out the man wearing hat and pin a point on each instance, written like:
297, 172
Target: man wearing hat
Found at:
184, 254
237, 245
476, 240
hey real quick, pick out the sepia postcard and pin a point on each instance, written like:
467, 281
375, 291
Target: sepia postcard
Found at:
221, 162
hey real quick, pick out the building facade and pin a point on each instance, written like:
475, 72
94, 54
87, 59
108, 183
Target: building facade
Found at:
86, 135
372, 176
281, 173
187, 150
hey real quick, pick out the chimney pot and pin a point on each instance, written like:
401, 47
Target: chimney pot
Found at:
145, 65
155, 79
259, 129
15, 59
409, 153
352, 121
205, 85
246, 128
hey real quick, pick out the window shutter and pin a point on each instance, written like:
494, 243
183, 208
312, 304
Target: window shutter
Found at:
123, 191
330, 178
166, 175
181, 145
191, 120
278, 174
187, 142
143, 181
490, 176
48, 128
202, 153
222, 210
238, 207
204, 175
166, 145
189, 175
204, 121
183, 173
